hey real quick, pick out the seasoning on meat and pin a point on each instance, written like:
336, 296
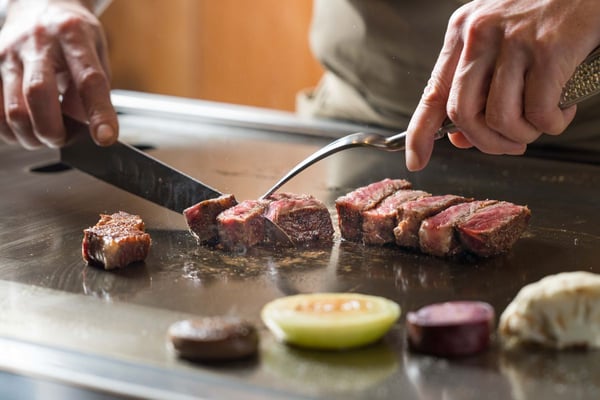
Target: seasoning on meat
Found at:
202, 218
412, 213
302, 217
379, 222
242, 226
116, 241
437, 233
351, 206
494, 229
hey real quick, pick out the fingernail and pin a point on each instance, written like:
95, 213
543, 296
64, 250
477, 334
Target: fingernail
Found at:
412, 160
105, 134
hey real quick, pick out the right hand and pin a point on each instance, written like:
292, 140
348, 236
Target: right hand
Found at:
49, 49
500, 75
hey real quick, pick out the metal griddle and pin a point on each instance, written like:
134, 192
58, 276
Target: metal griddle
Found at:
104, 332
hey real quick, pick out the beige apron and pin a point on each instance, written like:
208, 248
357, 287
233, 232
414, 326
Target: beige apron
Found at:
378, 56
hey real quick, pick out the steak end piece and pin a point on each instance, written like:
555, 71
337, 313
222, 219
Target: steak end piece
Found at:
379, 222
437, 234
493, 230
302, 217
412, 213
351, 206
115, 241
242, 226
202, 218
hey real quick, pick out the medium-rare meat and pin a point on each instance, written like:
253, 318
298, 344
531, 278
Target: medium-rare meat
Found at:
494, 229
302, 217
412, 213
115, 241
351, 206
202, 218
242, 226
437, 234
379, 222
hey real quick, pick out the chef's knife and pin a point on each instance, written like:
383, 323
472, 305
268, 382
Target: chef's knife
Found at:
128, 168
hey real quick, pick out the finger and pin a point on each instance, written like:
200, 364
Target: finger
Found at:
15, 109
467, 103
504, 108
93, 88
41, 96
6, 134
431, 110
459, 140
543, 86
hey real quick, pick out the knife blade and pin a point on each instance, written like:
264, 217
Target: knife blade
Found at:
130, 169
136, 172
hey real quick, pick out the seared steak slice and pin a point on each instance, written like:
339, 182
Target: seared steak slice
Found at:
412, 213
202, 218
115, 241
437, 234
351, 206
494, 229
379, 222
302, 217
242, 226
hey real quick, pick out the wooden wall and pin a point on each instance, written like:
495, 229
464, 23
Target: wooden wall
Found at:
244, 52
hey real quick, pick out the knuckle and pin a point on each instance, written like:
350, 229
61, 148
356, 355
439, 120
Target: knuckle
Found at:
71, 24
436, 91
92, 79
36, 88
479, 28
16, 114
545, 122
498, 121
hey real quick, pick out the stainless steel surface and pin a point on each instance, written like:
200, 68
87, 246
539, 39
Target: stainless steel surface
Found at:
130, 169
231, 115
584, 83
78, 325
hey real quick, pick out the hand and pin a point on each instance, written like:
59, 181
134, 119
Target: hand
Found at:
500, 74
50, 49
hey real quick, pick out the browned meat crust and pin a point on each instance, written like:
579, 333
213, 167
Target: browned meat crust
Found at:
302, 217
494, 229
379, 222
412, 213
202, 218
351, 206
115, 241
242, 226
437, 233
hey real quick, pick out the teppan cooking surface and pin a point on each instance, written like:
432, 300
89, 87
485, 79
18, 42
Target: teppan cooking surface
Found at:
100, 322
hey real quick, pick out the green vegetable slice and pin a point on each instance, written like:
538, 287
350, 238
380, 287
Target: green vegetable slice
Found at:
330, 320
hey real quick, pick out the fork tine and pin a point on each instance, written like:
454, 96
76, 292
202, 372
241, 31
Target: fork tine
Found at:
342, 143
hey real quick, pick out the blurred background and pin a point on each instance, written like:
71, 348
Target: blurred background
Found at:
243, 52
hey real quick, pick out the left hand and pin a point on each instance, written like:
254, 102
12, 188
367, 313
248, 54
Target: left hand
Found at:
500, 74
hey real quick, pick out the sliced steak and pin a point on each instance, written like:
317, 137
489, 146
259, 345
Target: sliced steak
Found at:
494, 229
351, 206
302, 217
115, 241
202, 218
379, 222
242, 226
412, 213
437, 234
